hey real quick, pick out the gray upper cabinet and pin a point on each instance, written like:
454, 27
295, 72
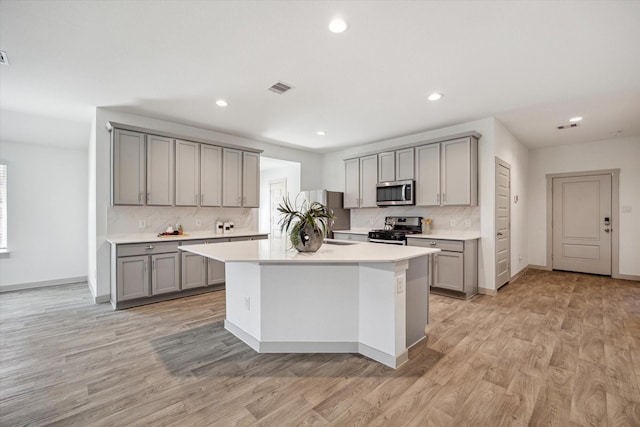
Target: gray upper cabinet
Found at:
459, 172
352, 183
361, 177
387, 166
187, 173
447, 173
404, 164
160, 178
231, 177
160, 170
210, 175
428, 175
250, 180
241, 178
128, 186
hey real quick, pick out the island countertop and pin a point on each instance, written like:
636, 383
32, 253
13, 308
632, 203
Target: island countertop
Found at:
275, 251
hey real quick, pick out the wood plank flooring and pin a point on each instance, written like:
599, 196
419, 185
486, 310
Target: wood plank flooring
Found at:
552, 349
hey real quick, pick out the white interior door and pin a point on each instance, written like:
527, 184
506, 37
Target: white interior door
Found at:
582, 224
277, 190
503, 223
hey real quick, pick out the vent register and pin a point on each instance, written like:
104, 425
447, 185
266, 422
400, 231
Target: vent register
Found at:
280, 88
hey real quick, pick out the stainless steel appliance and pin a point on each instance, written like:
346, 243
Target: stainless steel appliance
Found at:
395, 193
396, 229
334, 200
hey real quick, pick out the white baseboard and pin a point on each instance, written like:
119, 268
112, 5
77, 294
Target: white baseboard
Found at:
487, 291
100, 299
44, 284
539, 267
627, 277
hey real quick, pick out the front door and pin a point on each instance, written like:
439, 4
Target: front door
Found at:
582, 224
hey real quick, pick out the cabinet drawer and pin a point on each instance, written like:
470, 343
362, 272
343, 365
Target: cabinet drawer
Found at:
445, 245
245, 238
204, 241
147, 248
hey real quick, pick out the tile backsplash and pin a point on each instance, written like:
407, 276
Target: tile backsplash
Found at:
458, 218
126, 219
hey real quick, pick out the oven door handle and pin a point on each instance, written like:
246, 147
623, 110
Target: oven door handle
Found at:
389, 242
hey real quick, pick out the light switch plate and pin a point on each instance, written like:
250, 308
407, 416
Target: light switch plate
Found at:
627, 209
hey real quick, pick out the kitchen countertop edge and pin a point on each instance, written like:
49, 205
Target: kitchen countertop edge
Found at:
122, 239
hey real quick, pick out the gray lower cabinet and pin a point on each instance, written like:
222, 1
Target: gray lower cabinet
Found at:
194, 270
198, 271
143, 270
455, 267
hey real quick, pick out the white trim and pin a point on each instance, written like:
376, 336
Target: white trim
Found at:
487, 291
43, 284
317, 347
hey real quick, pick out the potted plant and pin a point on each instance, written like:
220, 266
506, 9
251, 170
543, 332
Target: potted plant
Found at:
307, 225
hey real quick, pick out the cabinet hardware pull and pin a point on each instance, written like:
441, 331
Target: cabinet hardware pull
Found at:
148, 197
139, 197
149, 247
438, 197
444, 197
153, 264
433, 244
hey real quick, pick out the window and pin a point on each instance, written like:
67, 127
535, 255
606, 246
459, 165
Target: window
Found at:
3, 207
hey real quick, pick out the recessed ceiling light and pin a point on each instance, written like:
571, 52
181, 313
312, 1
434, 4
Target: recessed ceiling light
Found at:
338, 25
321, 132
221, 103
575, 119
435, 96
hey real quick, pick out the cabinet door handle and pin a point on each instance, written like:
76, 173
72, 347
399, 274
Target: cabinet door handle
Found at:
139, 197
148, 197
201, 198
438, 197
444, 197
153, 264
149, 247
433, 244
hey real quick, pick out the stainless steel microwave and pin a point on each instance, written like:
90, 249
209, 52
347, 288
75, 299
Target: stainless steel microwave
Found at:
395, 193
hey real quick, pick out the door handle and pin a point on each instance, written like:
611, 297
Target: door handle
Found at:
606, 230
499, 234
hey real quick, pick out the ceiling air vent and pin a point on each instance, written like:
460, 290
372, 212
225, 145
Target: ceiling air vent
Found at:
280, 88
4, 59
569, 126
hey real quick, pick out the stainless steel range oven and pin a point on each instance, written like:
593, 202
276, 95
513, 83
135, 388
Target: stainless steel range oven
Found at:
396, 229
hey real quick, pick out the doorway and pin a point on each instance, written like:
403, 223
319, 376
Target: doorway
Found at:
277, 190
503, 222
582, 219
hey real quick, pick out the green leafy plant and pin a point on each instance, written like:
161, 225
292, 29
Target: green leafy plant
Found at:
294, 220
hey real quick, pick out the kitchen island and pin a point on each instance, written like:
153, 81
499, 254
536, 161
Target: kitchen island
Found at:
347, 297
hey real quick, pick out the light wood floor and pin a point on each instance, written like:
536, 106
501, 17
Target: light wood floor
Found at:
550, 349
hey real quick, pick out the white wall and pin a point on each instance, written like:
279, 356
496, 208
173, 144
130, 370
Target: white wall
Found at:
311, 177
47, 215
509, 149
290, 172
618, 153
334, 180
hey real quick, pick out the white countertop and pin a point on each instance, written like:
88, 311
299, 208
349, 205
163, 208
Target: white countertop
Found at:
274, 251
435, 234
190, 235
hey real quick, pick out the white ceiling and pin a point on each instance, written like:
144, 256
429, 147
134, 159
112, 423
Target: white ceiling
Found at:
532, 65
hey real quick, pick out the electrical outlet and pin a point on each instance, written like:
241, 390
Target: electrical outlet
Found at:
198, 222
627, 209
467, 223
452, 222
399, 285
247, 303
142, 223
